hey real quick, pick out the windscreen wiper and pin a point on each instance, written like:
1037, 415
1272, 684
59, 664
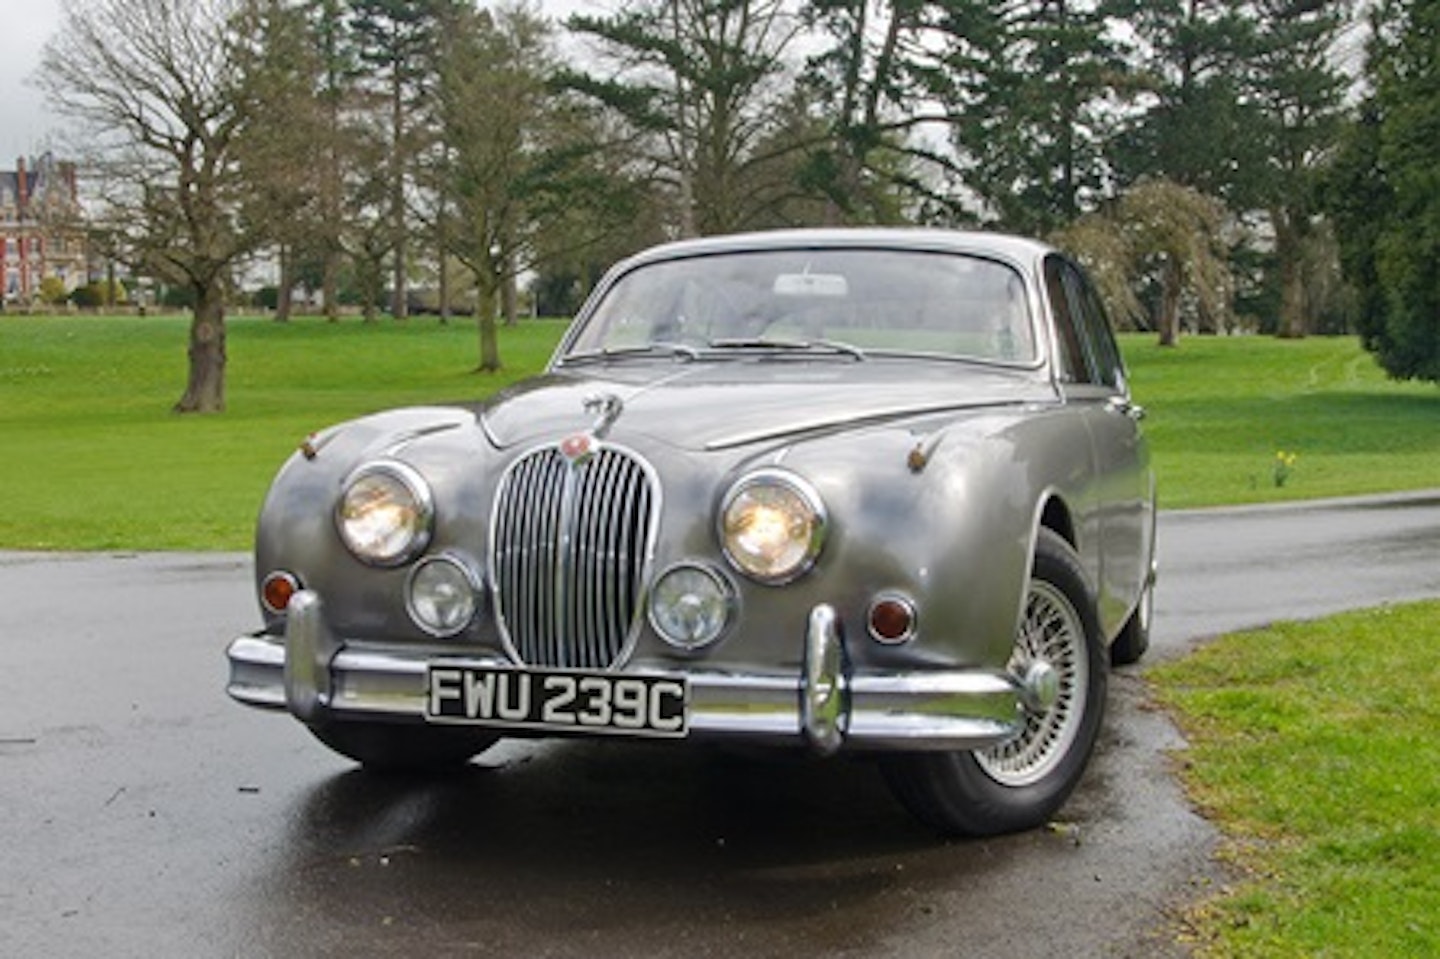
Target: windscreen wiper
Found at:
761, 343
658, 348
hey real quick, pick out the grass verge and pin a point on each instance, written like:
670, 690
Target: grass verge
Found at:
1316, 749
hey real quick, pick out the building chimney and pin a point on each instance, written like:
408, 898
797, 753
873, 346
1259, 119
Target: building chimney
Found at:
22, 188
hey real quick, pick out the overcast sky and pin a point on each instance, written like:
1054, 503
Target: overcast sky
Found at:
24, 126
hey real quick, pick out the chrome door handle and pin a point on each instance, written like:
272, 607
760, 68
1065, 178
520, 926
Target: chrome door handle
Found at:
1125, 407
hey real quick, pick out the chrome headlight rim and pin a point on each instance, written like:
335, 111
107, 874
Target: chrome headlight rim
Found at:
421, 503
725, 592
818, 520
474, 583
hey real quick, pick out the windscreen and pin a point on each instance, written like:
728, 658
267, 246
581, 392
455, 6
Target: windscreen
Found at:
874, 300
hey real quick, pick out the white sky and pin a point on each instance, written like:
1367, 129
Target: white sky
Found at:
24, 125
27, 127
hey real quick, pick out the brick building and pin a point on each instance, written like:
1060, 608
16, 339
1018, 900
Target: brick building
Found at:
40, 228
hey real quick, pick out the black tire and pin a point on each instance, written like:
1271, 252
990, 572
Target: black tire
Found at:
1020, 784
403, 747
1134, 638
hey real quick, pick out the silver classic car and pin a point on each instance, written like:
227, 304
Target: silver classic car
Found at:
872, 491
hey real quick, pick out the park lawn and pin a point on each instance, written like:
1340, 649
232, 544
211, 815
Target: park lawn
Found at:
1316, 749
95, 459
1222, 410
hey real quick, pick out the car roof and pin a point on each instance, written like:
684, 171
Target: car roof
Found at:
1018, 249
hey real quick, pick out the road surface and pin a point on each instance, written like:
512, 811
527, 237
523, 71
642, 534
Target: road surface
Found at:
143, 814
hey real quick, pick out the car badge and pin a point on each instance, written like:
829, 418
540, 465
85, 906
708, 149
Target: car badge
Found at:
578, 448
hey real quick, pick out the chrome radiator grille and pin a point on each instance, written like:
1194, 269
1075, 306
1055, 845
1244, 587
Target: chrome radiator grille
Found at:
568, 554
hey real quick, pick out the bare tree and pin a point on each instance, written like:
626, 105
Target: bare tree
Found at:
163, 106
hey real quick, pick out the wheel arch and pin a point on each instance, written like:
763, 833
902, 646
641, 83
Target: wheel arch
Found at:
1055, 516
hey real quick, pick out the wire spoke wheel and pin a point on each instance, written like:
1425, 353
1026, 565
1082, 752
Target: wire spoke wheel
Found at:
1021, 782
1053, 634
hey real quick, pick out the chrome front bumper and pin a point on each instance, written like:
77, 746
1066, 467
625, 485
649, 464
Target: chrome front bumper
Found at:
314, 675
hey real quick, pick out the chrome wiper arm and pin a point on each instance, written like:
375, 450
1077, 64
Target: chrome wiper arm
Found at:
658, 348
761, 343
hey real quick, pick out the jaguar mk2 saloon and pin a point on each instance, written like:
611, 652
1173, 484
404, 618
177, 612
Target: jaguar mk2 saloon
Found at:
873, 492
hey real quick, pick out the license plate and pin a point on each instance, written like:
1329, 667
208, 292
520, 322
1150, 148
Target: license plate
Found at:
557, 700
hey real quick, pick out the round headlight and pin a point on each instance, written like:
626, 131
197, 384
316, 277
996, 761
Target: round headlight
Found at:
385, 513
442, 595
690, 606
772, 525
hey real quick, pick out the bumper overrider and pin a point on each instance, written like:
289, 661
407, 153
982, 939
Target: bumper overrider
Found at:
318, 677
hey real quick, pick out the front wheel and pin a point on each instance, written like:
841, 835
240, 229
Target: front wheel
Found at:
1020, 783
403, 747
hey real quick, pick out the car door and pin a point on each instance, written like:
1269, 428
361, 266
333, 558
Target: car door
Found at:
1121, 494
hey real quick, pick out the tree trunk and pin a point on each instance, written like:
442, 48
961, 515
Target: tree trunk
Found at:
1294, 298
399, 305
330, 284
486, 297
283, 297
510, 296
205, 392
1289, 251
444, 283
1168, 320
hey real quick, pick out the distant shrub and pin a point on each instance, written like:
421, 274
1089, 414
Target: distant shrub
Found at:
91, 296
52, 291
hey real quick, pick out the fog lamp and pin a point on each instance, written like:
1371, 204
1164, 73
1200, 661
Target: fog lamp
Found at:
442, 595
690, 606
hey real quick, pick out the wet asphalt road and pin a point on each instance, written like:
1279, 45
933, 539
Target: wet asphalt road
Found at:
143, 814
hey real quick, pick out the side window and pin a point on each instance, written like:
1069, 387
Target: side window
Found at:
1095, 333
1073, 366
1104, 336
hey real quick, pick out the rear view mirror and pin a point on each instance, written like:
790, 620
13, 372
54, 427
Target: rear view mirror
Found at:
811, 284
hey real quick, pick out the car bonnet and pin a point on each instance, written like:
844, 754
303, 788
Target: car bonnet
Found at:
720, 406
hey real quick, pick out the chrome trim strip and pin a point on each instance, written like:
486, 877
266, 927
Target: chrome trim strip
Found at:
881, 416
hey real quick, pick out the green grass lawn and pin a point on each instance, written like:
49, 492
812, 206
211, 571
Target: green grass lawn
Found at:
94, 459
1223, 409
1316, 748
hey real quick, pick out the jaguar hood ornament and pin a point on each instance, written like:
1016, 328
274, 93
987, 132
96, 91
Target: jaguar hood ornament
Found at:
577, 448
